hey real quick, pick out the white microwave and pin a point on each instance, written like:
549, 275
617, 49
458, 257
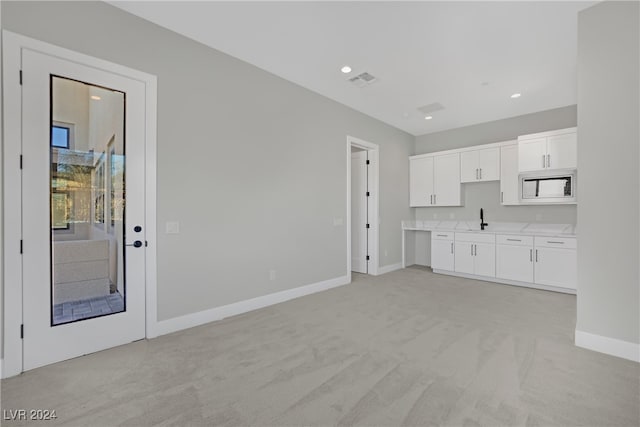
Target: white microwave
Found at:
548, 187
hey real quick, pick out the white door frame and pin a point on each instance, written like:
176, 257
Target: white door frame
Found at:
12, 45
373, 202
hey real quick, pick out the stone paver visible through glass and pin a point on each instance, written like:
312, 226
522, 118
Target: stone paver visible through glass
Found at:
85, 309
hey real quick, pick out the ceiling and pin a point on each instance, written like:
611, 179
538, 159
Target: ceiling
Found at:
468, 56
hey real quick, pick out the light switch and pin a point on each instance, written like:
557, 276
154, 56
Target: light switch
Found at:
172, 227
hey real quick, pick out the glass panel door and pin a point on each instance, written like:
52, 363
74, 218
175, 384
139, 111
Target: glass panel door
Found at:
87, 187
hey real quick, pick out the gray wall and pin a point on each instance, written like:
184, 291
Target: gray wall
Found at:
608, 158
487, 194
252, 166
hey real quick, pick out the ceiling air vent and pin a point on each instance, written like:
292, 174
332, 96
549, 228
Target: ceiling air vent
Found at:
430, 108
363, 79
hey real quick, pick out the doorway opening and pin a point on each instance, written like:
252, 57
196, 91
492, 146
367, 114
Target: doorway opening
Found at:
362, 207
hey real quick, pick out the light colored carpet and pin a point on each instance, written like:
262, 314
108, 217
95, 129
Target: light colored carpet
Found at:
406, 348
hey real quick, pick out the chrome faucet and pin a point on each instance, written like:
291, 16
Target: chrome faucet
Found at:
482, 223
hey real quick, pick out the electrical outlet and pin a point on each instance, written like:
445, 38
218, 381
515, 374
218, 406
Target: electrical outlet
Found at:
172, 227
272, 275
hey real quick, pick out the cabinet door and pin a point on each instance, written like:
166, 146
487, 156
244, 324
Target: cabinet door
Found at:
532, 154
469, 169
489, 164
446, 180
514, 263
442, 254
484, 259
420, 181
562, 151
509, 175
555, 267
464, 257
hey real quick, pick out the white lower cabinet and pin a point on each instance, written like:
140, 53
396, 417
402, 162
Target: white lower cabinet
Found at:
555, 262
475, 253
514, 257
442, 254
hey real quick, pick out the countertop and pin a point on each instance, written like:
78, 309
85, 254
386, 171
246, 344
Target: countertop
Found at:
532, 229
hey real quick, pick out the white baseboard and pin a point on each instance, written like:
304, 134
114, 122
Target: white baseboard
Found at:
614, 347
389, 268
218, 313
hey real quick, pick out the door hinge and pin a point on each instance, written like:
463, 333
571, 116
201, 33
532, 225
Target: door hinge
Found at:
367, 257
20, 77
22, 331
368, 161
20, 161
21, 246
367, 225
368, 194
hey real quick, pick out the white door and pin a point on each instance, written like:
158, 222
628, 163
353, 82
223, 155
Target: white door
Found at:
509, 175
359, 230
464, 257
563, 151
484, 259
555, 267
489, 164
442, 254
421, 182
446, 180
532, 154
78, 296
469, 170
514, 263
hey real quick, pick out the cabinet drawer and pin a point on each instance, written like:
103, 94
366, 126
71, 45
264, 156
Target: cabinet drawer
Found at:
442, 235
475, 237
556, 242
513, 239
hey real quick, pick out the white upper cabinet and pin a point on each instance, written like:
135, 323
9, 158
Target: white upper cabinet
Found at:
446, 180
421, 182
548, 150
480, 165
435, 181
509, 174
562, 151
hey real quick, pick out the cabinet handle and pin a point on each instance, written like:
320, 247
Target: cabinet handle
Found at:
514, 240
442, 235
477, 173
480, 173
530, 255
502, 197
435, 199
558, 243
536, 255
543, 160
471, 250
548, 160
451, 247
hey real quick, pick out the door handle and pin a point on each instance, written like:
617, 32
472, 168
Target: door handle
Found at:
136, 244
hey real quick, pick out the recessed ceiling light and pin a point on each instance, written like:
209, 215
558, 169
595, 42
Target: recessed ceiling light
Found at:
346, 69
428, 117
95, 97
516, 95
